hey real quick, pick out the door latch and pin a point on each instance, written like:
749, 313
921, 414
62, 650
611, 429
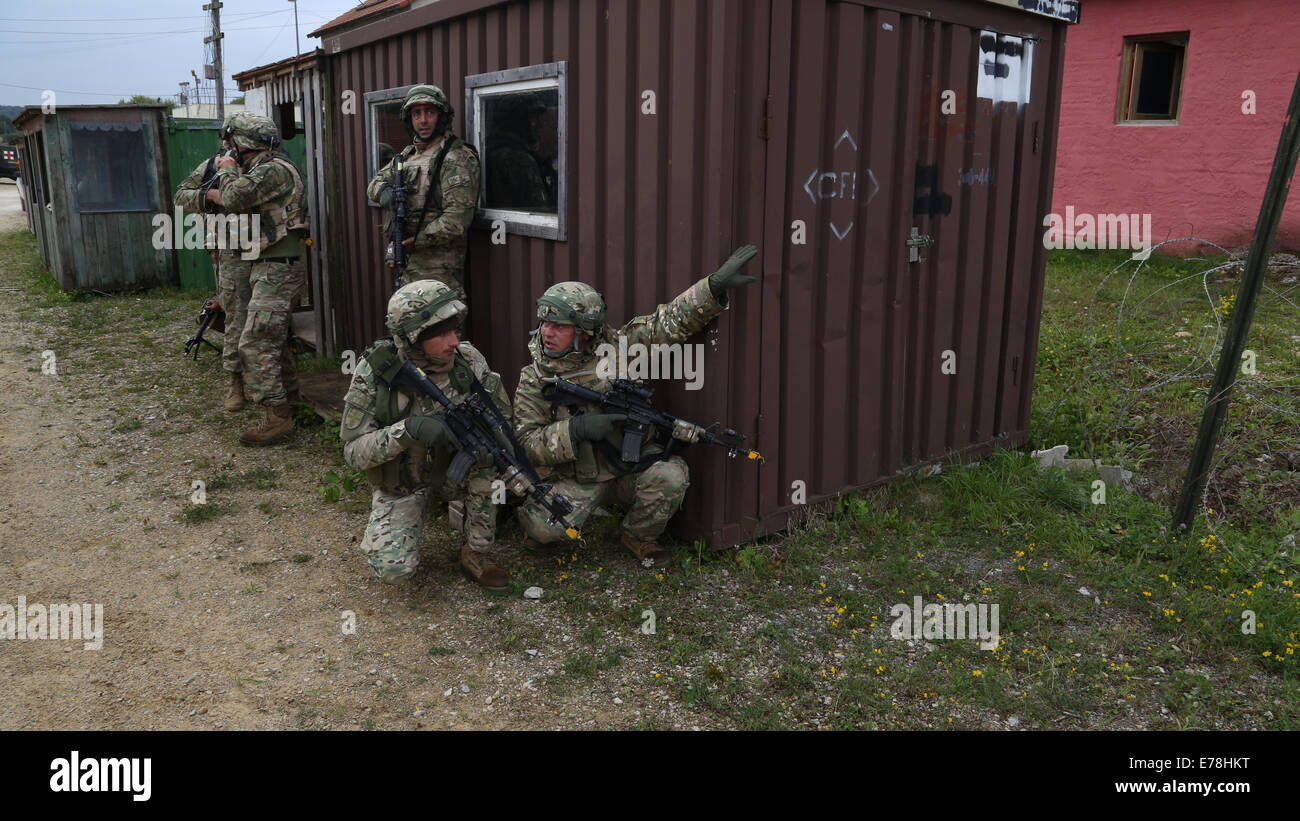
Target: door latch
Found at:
915, 243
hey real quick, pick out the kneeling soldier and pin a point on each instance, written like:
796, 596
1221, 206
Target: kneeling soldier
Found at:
572, 326
402, 442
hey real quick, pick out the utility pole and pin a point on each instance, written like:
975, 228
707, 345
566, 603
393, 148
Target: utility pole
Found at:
1243, 311
215, 40
297, 52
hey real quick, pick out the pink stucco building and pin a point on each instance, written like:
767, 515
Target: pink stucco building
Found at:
1156, 114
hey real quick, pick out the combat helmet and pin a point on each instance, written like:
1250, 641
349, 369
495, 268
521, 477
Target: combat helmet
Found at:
421, 305
572, 303
424, 95
251, 131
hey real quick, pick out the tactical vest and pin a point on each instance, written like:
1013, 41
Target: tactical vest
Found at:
383, 359
289, 212
416, 217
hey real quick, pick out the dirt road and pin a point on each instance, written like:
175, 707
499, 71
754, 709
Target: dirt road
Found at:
232, 614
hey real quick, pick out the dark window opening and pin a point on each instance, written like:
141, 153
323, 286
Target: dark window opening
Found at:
111, 168
1152, 78
521, 156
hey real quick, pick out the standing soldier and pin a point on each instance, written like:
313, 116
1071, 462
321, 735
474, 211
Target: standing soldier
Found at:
233, 289
572, 325
402, 442
442, 182
270, 191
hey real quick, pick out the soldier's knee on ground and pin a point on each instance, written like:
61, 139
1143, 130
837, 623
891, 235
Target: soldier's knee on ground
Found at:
533, 519
391, 573
392, 541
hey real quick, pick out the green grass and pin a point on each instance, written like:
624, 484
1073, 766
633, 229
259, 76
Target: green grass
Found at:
793, 631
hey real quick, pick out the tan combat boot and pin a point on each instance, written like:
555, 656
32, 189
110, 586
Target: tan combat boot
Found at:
647, 551
277, 424
235, 396
479, 567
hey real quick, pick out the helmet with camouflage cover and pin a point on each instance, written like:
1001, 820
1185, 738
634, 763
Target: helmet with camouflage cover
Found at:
572, 303
422, 305
251, 131
424, 95
227, 123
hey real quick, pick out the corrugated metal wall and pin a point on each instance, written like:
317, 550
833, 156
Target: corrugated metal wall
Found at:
832, 363
866, 333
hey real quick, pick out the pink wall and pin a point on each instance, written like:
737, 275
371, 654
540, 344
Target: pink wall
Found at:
1210, 170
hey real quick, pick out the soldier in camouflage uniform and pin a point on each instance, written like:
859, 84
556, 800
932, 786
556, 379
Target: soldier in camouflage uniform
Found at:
439, 211
270, 189
233, 288
404, 446
572, 326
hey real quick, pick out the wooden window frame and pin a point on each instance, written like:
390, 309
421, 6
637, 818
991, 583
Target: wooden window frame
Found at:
1135, 49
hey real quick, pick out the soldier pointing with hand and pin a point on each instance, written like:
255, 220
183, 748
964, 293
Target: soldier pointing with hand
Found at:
571, 326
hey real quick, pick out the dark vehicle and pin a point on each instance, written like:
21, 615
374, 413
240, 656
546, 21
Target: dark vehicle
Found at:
8, 162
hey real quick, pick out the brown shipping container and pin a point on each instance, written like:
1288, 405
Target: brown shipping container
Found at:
825, 132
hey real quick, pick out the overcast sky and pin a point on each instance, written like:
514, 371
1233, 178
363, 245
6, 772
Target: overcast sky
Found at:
98, 51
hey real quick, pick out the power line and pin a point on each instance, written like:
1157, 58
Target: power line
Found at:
248, 14
128, 33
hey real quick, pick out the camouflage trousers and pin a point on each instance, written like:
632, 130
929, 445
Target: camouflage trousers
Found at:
270, 372
651, 497
396, 528
233, 292
446, 266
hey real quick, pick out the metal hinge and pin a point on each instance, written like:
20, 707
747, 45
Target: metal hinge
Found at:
916, 242
765, 122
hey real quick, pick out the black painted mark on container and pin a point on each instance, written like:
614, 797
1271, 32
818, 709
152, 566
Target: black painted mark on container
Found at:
928, 199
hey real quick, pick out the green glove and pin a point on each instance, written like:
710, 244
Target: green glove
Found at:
432, 431
593, 427
729, 276
385, 198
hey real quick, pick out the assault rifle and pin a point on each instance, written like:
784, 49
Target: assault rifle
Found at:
478, 425
398, 226
209, 180
633, 400
210, 315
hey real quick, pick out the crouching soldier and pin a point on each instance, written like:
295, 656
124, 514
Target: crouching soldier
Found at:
572, 326
402, 442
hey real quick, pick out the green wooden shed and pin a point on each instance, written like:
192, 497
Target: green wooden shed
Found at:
97, 179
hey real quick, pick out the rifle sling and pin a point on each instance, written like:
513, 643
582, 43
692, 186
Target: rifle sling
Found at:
434, 182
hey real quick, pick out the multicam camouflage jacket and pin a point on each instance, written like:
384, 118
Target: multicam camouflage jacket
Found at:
441, 242
543, 428
393, 460
187, 196
271, 188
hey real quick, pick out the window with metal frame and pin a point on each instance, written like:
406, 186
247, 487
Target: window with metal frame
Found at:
1151, 78
517, 119
386, 135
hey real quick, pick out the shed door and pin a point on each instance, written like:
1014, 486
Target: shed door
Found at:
885, 128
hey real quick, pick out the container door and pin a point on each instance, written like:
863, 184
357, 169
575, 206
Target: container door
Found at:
900, 204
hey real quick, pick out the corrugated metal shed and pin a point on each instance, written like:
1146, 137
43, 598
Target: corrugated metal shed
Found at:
301, 81
826, 132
